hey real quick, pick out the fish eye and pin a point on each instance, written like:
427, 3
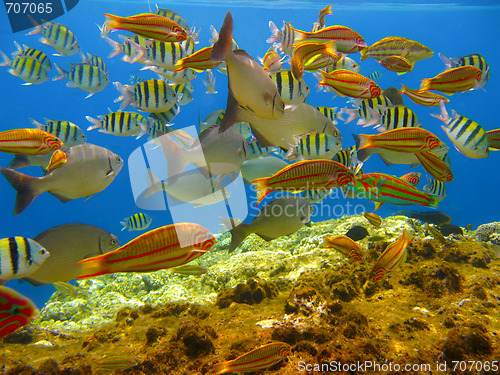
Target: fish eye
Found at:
42, 252
336, 133
118, 159
282, 105
354, 65
113, 242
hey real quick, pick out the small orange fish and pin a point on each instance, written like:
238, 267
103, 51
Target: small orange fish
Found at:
394, 255
348, 41
260, 358
436, 167
426, 98
396, 64
453, 80
344, 245
494, 139
198, 61
165, 247
28, 142
304, 175
58, 159
148, 25
374, 219
347, 83
413, 178
307, 51
409, 140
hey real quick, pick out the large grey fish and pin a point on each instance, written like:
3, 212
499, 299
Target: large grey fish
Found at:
69, 244
248, 82
89, 170
264, 166
280, 217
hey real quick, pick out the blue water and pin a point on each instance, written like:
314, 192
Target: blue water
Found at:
452, 28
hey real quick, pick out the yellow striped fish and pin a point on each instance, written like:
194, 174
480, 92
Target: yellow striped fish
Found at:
120, 123
163, 54
366, 110
272, 61
165, 117
33, 52
190, 270
58, 159
393, 256
314, 145
27, 68
96, 61
183, 93
153, 95
86, 77
467, 135
435, 166
174, 16
285, 37
374, 219
306, 52
138, 221
165, 247
397, 46
474, 59
396, 117
344, 245
113, 362
57, 36
70, 134
435, 233
133, 51
454, 80
66, 288
291, 90
435, 187
260, 358
426, 98
28, 142
329, 113
197, 61
20, 257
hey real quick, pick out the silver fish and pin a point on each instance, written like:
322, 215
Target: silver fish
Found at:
68, 244
264, 166
89, 170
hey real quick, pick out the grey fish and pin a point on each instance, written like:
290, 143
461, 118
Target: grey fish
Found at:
264, 166
357, 233
431, 217
280, 217
89, 170
395, 96
69, 244
447, 229
248, 82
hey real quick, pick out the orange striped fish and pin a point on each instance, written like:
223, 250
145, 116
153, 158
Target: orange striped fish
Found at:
374, 219
28, 142
397, 46
436, 167
453, 80
272, 61
494, 139
304, 175
413, 178
396, 64
164, 247
307, 51
348, 41
198, 61
347, 83
409, 140
58, 159
260, 358
344, 245
426, 98
148, 25
394, 255
321, 18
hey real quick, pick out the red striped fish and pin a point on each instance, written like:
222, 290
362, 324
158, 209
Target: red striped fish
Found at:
494, 139
396, 64
164, 247
426, 98
28, 142
453, 80
148, 25
348, 41
304, 175
413, 178
260, 358
307, 51
344, 245
409, 140
15, 311
374, 219
58, 159
347, 83
394, 255
321, 18
435, 166
198, 61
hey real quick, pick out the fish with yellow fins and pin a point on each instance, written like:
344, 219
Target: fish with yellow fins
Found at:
393, 256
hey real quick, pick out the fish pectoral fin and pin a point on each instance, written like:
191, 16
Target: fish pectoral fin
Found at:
63, 199
265, 238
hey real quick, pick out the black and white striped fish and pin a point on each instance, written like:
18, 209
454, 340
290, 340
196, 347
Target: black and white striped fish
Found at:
71, 134
436, 188
291, 90
20, 257
138, 221
34, 53
84, 76
153, 95
120, 123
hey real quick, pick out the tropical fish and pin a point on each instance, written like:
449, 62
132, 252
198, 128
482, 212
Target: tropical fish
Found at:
329, 113
263, 357
397, 46
396, 117
16, 311
198, 61
285, 37
256, 151
435, 165
347, 40
474, 59
435, 233
357, 233
69, 244
264, 166
216, 117
291, 90
28, 142
249, 84
344, 245
493, 139
66, 288
411, 140
413, 178
313, 145
396, 64
182, 76
393, 256
374, 219
86, 77
344, 63
153, 95
70, 134
210, 82
453, 80
138, 221
426, 98
316, 195
366, 109
133, 51
435, 187
280, 217
120, 123
57, 36
393, 94
190, 270
347, 83
20, 257
147, 25
89, 170
183, 93
96, 61
57, 160
467, 135
164, 54
272, 61
165, 247
164, 117
308, 51
305, 175
375, 76
431, 217
447, 229
25, 67
34, 53
112, 363
174, 16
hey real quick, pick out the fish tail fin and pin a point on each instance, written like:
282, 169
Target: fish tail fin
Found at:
426, 84
446, 61
112, 22
443, 116
26, 193
154, 184
231, 115
36, 25
117, 47
404, 89
126, 95
19, 161
377, 205
362, 52
433, 201
362, 141
96, 123
221, 368
262, 188
351, 113
275, 33
331, 48
61, 71
225, 41
94, 266
237, 229
177, 157
125, 225
5, 59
